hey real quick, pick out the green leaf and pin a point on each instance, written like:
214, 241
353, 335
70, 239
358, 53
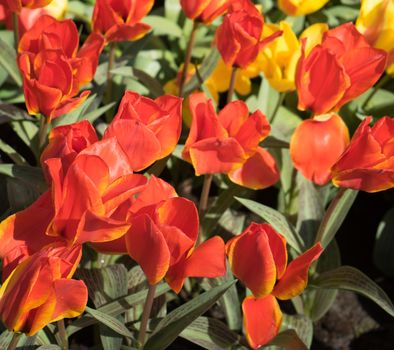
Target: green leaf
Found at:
171, 326
27, 130
163, 26
31, 176
211, 334
205, 70
8, 62
349, 278
110, 322
49, 347
335, 215
302, 325
288, 340
9, 112
383, 253
12, 153
93, 115
278, 222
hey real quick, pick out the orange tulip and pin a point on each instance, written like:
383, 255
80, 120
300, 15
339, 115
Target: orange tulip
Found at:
53, 69
338, 70
317, 144
17, 5
229, 143
205, 11
40, 290
162, 241
147, 130
264, 270
121, 20
368, 162
239, 36
26, 19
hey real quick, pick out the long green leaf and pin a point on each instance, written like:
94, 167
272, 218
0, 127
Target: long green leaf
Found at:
8, 62
349, 278
335, 215
277, 220
288, 340
171, 326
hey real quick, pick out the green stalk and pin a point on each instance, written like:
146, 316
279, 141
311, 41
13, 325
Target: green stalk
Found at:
145, 315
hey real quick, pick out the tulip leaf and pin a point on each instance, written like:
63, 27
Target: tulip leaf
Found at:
349, 278
278, 222
335, 215
176, 321
110, 322
211, 334
10, 112
116, 307
31, 176
288, 340
49, 347
8, 61
163, 26
302, 325
207, 67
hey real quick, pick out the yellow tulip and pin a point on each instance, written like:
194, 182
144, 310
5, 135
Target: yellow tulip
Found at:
280, 57
57, 8
376, 23
300, 7
313, 35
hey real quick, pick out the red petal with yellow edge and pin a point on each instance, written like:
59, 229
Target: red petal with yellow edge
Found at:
226, 41
383, 130
258, 172
278, 248
117, 246
194, 8
262, 320
16, 230
233, 116
155, 191
212, 156
141, 9
181, 213
70, 104
251, 260
295, 279
316, 146
137, 141
109, 151
208, 260
125, 32
147, 246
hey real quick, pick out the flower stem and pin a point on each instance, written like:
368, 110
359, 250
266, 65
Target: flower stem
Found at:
108, 94
281, 98
203, 206
14, 342
188, 58
42, 132
230, 93
62, 334
145, 315
15, 25
375, 89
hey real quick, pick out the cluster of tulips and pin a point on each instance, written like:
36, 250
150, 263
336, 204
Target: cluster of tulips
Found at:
99, 193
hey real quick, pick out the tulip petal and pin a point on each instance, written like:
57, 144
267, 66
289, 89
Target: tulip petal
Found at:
295, 279
233, 116
194, 8
258, 172
147, 246
208, 260
70, 104
256, 269
262, 320
125, 32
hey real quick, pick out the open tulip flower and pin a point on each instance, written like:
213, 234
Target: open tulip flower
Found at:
264, 270
376, 23
368, 162
300, 7
40, 290
205, 11
121, 20
53, 68
229, 143
147, 130
239, 38
316, 146
338, 70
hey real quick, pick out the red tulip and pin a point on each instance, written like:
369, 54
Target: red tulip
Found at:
239, 37
205, 11
147, 130
343, 67
229, 143
121, 20
317, 144
162, 241
40, 290
368, 162
17, 5
53, 69
264, 270
26, 19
